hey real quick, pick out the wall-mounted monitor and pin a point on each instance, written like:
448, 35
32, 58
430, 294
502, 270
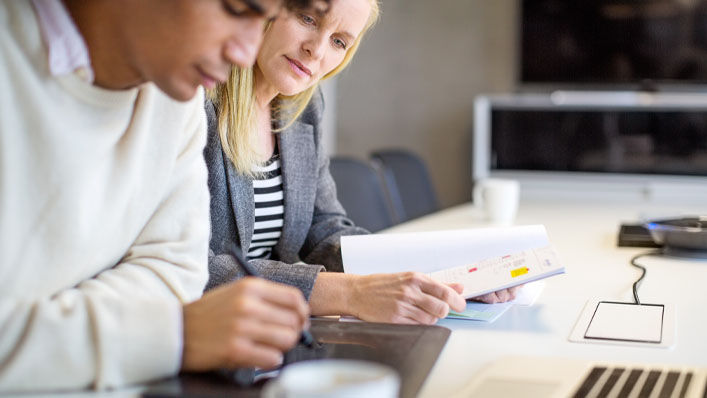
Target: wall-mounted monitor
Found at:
620, 140
632, 43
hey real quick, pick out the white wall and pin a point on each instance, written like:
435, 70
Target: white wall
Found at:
413, 83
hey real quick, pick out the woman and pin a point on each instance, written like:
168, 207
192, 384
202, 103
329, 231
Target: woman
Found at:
271, 188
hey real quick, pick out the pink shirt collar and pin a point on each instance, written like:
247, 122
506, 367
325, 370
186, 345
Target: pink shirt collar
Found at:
67, 51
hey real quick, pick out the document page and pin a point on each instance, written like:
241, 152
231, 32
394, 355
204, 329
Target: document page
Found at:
433, 251
481, 312
497, 273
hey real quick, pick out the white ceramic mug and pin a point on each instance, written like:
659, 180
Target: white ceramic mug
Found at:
498, 198
334, 378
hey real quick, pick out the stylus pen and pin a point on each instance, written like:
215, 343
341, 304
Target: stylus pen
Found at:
306, 337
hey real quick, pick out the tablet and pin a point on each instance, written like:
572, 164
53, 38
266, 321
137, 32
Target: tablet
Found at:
624, 323
411, 350
642, 323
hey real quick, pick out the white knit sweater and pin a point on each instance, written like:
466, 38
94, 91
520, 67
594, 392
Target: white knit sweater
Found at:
103, 222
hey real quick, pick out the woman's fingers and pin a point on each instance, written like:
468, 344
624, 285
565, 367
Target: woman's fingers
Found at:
458, 287
405, 297
431, 305
411, 312
500, 296
489, 298
515, 289
442, 292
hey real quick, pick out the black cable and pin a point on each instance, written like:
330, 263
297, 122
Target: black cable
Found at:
643, 269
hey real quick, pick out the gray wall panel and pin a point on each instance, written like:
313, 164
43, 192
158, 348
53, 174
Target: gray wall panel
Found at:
415, 77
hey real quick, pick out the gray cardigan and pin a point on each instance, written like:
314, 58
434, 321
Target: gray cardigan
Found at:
314, 218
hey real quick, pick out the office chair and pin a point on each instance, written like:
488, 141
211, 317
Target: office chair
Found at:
405, 174
362, 193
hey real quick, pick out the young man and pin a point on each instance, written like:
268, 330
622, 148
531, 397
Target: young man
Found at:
103, 199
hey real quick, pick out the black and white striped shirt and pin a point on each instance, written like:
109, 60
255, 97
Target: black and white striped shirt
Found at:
269, 209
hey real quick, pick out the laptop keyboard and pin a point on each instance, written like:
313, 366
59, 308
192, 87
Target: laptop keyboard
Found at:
621, 383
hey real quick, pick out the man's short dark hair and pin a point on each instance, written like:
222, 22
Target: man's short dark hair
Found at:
299, 4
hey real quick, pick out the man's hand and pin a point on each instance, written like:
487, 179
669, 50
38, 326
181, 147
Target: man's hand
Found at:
406, 297
247, 323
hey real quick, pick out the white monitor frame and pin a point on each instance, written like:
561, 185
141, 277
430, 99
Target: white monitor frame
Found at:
633, 186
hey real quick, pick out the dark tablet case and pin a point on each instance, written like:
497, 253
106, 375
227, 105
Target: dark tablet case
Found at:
410, 349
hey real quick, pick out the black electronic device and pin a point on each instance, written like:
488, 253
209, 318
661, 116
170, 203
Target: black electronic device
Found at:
682, 237
639, 43
635, 235
628, 140
411, 350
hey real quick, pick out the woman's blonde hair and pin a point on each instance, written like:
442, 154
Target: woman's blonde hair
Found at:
235, 101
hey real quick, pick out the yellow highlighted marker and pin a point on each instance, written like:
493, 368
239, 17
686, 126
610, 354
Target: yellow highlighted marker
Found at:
519, 271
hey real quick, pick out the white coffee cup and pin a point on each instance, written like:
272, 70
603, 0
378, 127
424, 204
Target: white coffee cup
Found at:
498, 198
334, 378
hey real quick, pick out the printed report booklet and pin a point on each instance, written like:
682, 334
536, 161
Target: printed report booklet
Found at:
484, 260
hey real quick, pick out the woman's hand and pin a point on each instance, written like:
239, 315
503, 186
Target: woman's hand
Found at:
406, 297
500, 296
247, 323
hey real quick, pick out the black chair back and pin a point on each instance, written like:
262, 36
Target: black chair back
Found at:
362, 193
406, 174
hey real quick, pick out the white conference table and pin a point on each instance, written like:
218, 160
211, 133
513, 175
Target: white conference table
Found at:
584, 233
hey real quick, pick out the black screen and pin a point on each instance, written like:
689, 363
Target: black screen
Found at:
606, 141
635, 42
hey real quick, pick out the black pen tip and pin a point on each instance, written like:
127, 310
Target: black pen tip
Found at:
307, 339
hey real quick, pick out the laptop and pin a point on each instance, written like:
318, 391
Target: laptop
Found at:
531, 377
